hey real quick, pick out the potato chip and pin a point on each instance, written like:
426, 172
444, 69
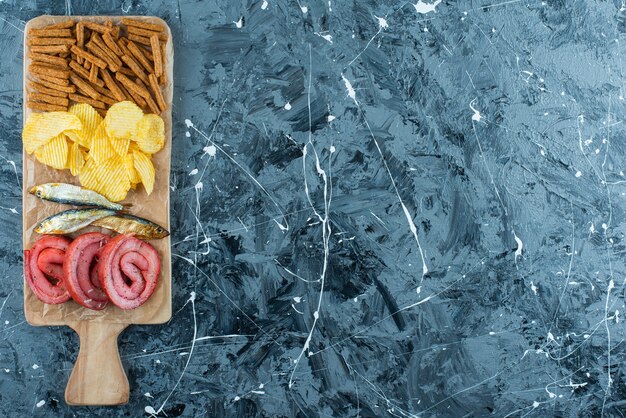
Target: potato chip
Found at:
101, 148
121, 119
90, 119
54, 153
133, 175
150, 133
144, 167
77, 137
120, 145
134, 147
75, 159
109, 178
42, 127
87, 175
114, 179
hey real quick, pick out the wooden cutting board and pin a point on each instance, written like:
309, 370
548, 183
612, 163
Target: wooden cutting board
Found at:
98, 377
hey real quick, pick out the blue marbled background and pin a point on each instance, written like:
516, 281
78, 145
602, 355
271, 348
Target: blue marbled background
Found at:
488, 136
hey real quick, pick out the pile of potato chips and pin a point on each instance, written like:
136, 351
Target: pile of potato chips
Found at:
110, 155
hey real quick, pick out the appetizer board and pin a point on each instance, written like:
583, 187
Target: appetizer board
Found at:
98, 377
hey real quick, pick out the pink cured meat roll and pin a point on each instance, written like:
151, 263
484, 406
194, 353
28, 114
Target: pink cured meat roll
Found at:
43, 269
128, 270
81, 271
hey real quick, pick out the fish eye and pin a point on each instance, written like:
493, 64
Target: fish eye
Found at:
38, 193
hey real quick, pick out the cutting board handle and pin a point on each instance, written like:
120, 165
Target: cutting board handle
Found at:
98, 377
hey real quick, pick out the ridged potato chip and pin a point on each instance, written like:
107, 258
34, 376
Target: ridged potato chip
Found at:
121, 119
101, 148
54, 153
144, 167
75, 159
42, 127
87, 174
134, 147
120, 145
133, 175
90, 119
150, 133
109, 178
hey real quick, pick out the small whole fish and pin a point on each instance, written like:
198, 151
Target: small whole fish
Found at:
132, 225
72, 195
71, 220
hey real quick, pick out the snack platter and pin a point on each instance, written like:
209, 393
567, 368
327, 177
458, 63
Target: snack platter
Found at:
98, 329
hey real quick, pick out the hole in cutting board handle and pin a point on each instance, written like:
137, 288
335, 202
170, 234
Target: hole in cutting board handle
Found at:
98, 377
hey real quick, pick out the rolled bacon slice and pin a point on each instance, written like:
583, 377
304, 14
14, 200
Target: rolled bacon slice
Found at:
128, 270
43, 269
81, 272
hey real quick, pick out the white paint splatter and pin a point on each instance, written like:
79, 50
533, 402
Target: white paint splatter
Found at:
324, 220
535, 404
150, 410
423, 8
382, 22
579, 174
330, 118
533, 287
350, 89
304, 9
327, 36
297, 299
332, 149
35, 366
192, 299
236, 398
41, 403
288, 106
193, 172
407, 214
210, 150
476, 116
264, 5
520, 246
147, 395
239, 23
187, 134
188, 123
